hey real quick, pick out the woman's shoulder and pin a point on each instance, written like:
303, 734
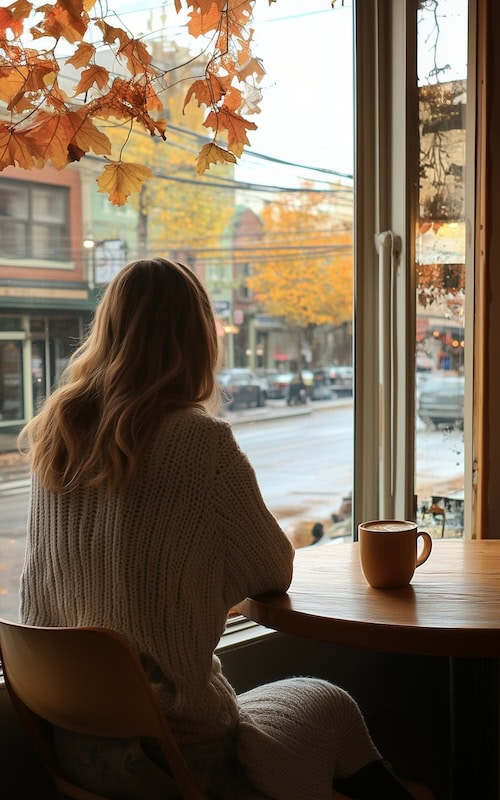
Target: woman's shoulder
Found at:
193, 422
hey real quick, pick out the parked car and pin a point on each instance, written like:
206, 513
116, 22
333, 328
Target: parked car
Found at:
241, 387
441, 401
279, 384
322, 386
341, 379
316, 382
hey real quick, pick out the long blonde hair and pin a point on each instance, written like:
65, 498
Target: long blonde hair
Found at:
152, 348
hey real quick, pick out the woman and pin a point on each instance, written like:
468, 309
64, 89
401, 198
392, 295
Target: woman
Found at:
146, 518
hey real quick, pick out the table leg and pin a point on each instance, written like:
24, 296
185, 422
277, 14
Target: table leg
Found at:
474, 728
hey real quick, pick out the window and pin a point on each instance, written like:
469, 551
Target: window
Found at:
302, 230
412, 461
33, 221
244, 292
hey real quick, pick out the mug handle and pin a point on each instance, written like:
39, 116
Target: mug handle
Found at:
424, 555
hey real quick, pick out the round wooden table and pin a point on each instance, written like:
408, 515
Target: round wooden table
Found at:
451, 608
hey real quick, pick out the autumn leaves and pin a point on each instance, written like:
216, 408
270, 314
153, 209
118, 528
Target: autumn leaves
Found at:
44, 124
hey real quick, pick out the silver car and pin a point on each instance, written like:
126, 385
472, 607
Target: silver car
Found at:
241, 387
441, 401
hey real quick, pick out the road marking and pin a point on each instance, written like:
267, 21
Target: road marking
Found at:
15, 487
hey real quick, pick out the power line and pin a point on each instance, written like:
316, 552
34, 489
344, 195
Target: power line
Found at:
264, 157
227, 184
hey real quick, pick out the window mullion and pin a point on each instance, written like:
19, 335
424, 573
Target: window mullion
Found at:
386, 175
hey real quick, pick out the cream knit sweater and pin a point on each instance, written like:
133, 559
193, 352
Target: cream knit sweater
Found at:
162, 562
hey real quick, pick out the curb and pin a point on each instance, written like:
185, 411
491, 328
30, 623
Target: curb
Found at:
283, 412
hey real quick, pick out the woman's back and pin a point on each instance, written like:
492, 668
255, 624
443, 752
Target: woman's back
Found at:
161, 560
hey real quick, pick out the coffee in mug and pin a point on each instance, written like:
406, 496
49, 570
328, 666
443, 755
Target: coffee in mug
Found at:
388, 550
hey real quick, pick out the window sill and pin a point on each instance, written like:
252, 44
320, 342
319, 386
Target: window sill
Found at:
240, 632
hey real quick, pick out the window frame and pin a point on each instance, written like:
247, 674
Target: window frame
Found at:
386, 205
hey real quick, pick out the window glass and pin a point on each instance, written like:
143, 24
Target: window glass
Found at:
48, 205
272, 240
14, 238
13, 201
440, 265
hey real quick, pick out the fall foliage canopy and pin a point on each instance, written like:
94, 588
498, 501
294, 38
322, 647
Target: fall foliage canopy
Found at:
43, 123
304, 271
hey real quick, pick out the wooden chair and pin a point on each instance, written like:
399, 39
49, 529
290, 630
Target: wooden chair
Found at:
87, 680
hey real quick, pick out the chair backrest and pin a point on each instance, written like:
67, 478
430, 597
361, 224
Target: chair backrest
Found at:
87, 680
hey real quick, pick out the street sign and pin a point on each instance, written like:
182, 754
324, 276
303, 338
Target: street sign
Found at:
222, 308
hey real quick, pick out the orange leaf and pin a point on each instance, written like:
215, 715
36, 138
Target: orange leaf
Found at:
41, 75
119, 180
153, 102
202, 22
93, 74
137, 56
233, 99
15, 148
235, 125
82, 55
130, 100
63, 20
12, 83
13, 17
57, 98
88, 137
111, 34
51, 134
212, 154
252, 67
15, 82
209, 91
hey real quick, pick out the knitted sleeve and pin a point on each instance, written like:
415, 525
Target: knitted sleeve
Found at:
258, 554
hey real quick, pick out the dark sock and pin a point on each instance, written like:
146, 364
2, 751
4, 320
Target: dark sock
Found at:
375, 781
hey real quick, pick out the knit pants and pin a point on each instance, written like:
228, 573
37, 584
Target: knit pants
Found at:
296, 735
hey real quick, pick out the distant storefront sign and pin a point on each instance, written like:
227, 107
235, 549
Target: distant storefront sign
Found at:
238, 316
110, 256
222, 308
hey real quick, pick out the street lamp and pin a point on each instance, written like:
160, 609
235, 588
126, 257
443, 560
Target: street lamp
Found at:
89, 245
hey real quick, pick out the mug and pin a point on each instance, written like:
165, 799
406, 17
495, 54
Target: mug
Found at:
388, 551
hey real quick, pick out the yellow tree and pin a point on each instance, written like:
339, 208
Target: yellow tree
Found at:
303, 270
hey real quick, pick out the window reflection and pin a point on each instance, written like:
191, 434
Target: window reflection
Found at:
440, 265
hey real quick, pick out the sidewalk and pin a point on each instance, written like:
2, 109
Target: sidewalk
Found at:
278, 409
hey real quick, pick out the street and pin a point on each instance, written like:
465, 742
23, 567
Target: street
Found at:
303, 464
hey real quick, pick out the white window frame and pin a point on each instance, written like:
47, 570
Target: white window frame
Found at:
386, 208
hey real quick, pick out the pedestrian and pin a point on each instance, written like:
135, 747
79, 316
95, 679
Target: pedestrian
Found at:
296, 390
147, 518
317, 532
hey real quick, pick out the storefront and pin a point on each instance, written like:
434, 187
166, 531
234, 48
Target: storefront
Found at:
38, 333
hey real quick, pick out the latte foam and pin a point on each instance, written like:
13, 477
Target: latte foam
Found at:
391, 526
